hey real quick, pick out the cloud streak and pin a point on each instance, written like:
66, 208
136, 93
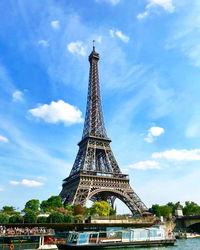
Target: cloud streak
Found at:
167, 5
120, 35
3, 139
43, 43
145, 165
27, 183
178, 155
18, 96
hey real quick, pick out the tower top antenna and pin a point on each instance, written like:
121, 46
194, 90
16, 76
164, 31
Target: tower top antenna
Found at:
93, 45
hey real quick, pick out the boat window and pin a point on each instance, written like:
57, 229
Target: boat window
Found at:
93, 237
114, 234
83, 238
126, 236
73, 238
102, 235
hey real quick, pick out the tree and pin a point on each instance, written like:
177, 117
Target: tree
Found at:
42, 219
30, 217
112, 212
4, 218
101, 208
62, 210
87, 211
51, 203
165, 211
56, 217
9, 210
155, 209
68, 218
32, 205
78, 210
161, 210
69, 208
79, 218
172, 206
191, 208
17, 218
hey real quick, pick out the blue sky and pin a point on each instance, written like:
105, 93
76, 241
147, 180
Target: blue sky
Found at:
149, 73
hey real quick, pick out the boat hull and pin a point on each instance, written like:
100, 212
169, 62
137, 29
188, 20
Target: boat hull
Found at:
167, 242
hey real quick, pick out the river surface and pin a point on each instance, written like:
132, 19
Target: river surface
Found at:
183, 244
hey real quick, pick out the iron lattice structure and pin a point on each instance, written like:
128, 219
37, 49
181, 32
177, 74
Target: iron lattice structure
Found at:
95, 174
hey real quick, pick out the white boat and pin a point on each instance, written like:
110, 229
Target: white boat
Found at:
153, 236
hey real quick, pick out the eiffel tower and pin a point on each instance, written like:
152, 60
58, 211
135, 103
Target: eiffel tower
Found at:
95, 174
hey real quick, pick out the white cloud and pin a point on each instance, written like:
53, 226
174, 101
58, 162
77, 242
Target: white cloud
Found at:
111, 32
55, 24
167, 5
3, 139
154, 132
178, 155
17, 96
142, 15
99, 39
120, 35
58, 111
77, 48
14, 182
43, 43
42, 178
145, 165
113, 2
123, 37
27, 183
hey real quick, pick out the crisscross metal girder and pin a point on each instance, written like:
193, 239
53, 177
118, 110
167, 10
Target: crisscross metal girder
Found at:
94, 121
95, 155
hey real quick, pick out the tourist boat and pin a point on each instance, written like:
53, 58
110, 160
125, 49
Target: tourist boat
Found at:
45, 242
138, 237
28, 242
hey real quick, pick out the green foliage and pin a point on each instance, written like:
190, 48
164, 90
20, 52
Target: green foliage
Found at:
101, 208
191, 208
4, 218
161, 210
9, 210
56, 217
87, 212
172, 206
30, 217
17, 218
112, 212
68, 218
32, 205
42, 219
79, 218
69, 208
52, 203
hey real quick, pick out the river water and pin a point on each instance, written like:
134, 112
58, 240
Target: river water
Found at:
183, 244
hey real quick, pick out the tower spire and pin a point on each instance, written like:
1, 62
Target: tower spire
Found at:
93, 45
94, 121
